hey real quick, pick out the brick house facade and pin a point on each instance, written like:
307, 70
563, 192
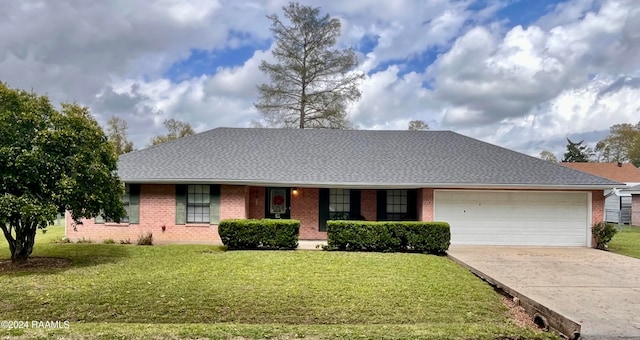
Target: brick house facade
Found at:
181, 190
157, 209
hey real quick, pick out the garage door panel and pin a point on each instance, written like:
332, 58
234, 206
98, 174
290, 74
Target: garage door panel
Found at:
514, 218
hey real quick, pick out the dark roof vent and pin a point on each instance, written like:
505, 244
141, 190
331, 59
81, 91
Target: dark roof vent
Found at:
619, 164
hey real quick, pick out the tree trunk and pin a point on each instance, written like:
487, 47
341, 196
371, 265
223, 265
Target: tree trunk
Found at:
22, 246
20, 256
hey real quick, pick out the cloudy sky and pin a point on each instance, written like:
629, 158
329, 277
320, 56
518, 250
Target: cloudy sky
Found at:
523, 74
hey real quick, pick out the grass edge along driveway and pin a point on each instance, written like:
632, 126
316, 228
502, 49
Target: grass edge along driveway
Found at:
626, 242
187, 291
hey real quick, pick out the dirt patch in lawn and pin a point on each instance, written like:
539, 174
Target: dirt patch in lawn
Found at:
34, 264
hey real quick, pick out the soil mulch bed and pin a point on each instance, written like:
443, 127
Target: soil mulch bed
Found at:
34, 264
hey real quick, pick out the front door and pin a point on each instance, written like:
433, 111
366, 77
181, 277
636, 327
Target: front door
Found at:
278, 203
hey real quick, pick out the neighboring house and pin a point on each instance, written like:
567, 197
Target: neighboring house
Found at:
180, 190
618, 202
635, 204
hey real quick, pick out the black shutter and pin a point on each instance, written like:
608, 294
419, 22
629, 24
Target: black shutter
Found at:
381, 203
354, 197
412, 205
323, 209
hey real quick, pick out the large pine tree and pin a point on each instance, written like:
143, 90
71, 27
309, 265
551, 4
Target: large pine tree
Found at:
311, 82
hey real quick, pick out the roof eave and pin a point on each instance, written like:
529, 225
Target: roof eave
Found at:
372, 185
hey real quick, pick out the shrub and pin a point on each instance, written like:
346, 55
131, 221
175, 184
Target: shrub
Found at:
109, 241
424, 237
603, 233
259, 234
145, 240
84, 240
127, 241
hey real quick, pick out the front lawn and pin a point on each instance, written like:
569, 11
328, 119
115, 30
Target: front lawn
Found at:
188, 291
626, 242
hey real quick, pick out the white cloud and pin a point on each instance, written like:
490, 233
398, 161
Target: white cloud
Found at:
572, 72
389, 101
545, 82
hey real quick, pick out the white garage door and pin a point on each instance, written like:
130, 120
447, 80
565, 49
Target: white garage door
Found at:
514, 218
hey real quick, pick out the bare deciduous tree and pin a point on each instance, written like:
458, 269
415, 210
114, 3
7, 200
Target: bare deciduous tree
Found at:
117, 135
176, 129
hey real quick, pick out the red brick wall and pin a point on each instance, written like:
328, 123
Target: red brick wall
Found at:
368, 209
256, 202
597, 206
304, 207
232, 202
425, 205
635, 210
157, 208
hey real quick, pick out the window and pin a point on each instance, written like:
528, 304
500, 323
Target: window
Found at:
131, 203
198, 198
339, 204
396, 205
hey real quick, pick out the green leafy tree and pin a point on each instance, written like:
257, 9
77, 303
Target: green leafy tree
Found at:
312, 82
621, 145
418, 125
176, 129
117, 135
51, 161
577, 152
548, 156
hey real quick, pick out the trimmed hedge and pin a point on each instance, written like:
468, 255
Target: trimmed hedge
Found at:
259, 234
424, 237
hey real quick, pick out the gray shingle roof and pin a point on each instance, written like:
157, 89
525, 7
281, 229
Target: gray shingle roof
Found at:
349, 158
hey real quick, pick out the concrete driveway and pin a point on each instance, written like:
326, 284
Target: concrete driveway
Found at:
592, 292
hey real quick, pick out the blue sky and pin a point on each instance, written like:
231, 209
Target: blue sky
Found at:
521, 74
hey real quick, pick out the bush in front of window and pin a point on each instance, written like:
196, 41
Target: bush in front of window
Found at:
423, 237
259, 234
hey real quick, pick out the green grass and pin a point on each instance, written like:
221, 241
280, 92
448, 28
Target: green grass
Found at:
626, 242
188, 291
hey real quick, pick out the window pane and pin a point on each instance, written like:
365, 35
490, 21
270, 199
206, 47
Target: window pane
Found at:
198, 203
396, 204
339, 202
